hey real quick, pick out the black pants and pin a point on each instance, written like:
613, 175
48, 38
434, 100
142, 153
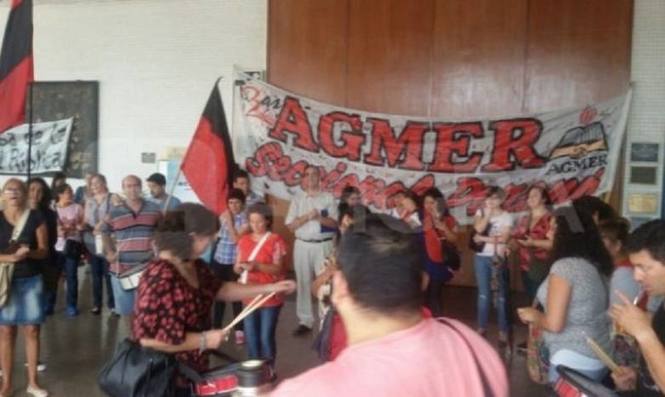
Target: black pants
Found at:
434, 296
225, 273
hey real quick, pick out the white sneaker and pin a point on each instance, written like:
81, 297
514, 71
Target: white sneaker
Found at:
36, 392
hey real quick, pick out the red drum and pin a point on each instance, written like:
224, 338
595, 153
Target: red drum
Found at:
573, 384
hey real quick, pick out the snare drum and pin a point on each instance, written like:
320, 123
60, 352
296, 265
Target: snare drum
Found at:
574, 384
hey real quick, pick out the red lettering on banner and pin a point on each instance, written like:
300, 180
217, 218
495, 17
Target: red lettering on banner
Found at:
570, 189
331, 179
508, 146
264, 158
294, 175
352, 140
270, 161
409, 144
470, 192
293, 119
450, 140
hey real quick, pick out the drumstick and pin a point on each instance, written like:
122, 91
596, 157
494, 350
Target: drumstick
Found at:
250, 304
249, 310
606, 359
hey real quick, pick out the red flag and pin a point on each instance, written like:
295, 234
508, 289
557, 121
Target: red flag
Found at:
209, 162
16, 65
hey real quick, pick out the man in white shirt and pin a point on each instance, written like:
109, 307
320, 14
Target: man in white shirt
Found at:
311, 217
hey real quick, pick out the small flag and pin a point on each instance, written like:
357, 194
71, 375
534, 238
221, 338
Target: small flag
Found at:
208, 164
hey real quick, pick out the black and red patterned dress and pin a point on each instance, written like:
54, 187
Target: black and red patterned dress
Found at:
167, 307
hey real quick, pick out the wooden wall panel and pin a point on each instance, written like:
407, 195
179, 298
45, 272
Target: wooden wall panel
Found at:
478, 58
577, 52
389, 54
307, 47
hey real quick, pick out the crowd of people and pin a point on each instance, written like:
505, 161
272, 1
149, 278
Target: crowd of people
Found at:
170, 269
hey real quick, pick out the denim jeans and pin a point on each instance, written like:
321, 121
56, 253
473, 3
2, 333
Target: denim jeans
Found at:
99, 269
260, 329
483, 267
70, 266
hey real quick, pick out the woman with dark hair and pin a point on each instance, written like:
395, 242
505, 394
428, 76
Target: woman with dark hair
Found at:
260, 261
533, 239
24, 307
350, 196
59, 178
177, 278
438, 226
574, 295
40, 198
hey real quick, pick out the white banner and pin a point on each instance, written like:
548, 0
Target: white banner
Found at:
277, 134
49, 148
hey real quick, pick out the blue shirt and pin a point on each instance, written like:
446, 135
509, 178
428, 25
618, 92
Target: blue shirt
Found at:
226, 250
173, 203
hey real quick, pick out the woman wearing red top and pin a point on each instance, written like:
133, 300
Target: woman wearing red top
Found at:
177, 290
261, 254
438, 225
533, 238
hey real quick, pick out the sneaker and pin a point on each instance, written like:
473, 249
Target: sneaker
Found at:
114, 313
35, 392
302, 330
240, 338
96, 311
71, 312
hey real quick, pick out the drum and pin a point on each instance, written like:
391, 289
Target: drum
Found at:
573, 384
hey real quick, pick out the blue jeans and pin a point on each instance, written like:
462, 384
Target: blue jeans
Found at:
99, 269
70, 267
483, 267
260, 329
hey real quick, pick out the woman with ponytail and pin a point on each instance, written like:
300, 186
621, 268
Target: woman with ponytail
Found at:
177, 291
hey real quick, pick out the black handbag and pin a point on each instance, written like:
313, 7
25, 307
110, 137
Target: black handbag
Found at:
135, 371
451, 255
73, 249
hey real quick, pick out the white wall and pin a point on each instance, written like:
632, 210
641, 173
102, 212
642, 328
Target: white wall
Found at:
647, 116
156, 61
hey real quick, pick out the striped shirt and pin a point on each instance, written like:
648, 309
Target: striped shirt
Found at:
226, 250
133, 234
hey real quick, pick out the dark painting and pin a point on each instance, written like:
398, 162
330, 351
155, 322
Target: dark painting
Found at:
59, 100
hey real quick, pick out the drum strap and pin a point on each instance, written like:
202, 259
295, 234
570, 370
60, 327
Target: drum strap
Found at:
487, 388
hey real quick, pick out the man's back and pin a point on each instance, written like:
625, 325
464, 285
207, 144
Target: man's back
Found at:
428, 360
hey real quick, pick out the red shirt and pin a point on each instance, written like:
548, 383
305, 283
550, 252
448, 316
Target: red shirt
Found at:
539, 231
167, 307
433, 236
273, 250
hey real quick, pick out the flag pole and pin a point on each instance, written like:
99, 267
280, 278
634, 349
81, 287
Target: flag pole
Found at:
170, 194
30, 120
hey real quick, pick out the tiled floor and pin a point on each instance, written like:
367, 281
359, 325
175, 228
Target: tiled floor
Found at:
75, 349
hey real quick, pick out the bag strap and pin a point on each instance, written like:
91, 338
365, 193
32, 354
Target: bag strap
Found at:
258, 247
20, 225
487, 388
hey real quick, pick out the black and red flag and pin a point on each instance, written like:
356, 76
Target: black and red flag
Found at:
208, 164
16, 65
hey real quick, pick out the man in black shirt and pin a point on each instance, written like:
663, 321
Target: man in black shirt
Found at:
646, 247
